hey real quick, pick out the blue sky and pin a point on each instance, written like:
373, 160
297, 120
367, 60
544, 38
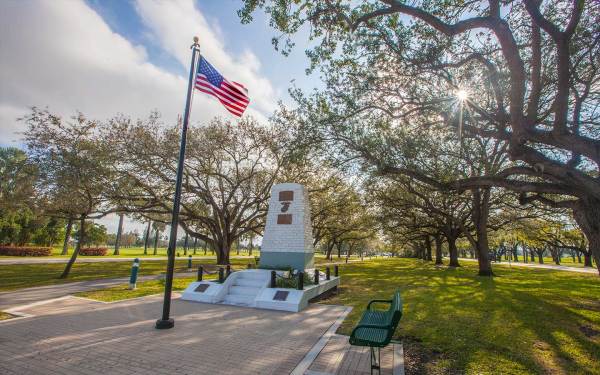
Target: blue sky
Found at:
121, 16
105, 57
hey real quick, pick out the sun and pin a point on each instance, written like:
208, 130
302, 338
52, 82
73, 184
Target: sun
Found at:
462, 95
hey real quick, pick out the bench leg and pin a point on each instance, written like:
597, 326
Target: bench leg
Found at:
375, 360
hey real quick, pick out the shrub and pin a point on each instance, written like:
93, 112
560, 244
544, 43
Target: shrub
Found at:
93, 251
291, 281
25, 251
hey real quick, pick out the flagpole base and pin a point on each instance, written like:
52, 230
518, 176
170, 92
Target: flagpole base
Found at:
165, 324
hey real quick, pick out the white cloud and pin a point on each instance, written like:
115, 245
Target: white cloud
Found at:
62, 54
174, 23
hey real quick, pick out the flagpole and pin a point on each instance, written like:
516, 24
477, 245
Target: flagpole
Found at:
166, 322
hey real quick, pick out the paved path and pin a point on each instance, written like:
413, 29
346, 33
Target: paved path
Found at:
78, 336
537, 265
27, 260
25, 296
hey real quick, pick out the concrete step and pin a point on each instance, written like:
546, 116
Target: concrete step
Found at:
237, 299
249, 283
254, 275
244, 290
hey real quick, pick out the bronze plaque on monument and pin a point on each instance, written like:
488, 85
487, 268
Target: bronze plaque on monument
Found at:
201, 288
280, 295
284, 219
287, 195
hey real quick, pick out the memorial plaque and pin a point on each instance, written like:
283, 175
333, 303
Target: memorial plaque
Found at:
287, 195
280, 295
201, 288
284, 219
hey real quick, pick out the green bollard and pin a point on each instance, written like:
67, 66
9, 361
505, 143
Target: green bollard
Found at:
134, 272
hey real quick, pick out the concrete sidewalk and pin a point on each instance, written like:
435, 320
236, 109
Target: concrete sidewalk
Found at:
19, 297
537, 265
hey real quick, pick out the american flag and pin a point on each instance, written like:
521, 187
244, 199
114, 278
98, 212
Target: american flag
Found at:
232, 95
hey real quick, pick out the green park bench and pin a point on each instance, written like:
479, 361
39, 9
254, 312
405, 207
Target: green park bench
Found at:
376, 328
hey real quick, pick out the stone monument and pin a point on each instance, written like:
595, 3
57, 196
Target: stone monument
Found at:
288, 240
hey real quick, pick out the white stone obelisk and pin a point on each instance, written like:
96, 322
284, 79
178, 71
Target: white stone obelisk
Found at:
288, 240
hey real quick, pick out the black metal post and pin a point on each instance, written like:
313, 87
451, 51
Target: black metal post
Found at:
327, 273
166, 322
228, 270
273, 279
336, 271
316, 276
200, 272
300, 280
221, 275
190, 262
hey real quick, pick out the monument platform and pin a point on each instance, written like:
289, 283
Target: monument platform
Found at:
251, 288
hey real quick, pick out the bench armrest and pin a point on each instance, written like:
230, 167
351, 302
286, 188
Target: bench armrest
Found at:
378, 301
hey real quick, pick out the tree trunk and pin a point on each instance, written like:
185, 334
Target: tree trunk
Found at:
155, 242
453, 251
119, 233
480, 216
65, 249
428, 247
69, 265
578, 256
205, 247
195, 244
223, 250
556, 256
251, 244
185, 244
587, 259
329, 250
438, 249
587, 215
540, 257
147, 238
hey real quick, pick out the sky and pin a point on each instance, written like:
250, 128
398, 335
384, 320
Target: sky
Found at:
104, 57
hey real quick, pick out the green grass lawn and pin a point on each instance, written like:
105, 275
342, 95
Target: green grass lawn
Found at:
145, 288
522, 321
27, 275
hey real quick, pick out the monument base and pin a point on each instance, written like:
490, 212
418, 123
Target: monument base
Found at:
251, 288
298, 261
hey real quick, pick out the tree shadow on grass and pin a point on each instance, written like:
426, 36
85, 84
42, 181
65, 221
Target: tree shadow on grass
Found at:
521, 321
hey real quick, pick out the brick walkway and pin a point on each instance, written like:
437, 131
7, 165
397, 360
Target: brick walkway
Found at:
77, 336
